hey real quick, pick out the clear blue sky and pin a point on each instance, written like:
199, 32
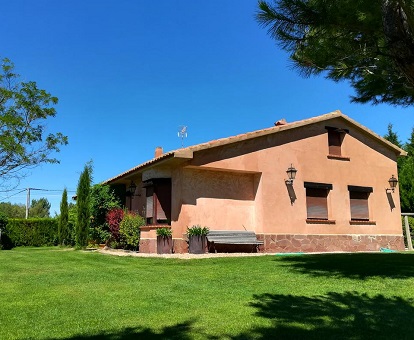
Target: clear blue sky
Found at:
128, 73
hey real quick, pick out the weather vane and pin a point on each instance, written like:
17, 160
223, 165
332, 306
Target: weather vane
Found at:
182, 133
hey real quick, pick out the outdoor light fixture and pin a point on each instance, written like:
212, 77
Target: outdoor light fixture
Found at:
291, 172
393, 182
131, 188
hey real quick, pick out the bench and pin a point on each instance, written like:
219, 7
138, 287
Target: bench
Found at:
237, 237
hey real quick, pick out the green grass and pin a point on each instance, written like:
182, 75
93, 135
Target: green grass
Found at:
53, 293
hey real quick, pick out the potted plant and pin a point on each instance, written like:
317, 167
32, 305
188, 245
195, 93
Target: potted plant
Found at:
164, 241
197, 239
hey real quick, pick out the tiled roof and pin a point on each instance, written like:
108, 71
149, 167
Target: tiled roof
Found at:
258, 133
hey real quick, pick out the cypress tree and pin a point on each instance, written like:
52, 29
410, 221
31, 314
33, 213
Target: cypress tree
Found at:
83, 207
63, 230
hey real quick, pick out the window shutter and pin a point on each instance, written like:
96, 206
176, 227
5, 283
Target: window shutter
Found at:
150, 202
334, 142
359, 205
317, 203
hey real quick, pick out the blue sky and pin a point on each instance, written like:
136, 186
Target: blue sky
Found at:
128, 73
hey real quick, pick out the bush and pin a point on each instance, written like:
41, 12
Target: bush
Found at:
129, 231
32, 232
113, 219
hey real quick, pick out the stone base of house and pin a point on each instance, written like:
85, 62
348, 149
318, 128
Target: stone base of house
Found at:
288, 243
328, 243
180, 246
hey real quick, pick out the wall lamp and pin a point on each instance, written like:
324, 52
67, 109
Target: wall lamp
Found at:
393, 183
291, 172
131, 189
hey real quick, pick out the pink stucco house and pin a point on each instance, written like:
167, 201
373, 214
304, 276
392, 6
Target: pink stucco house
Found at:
340, 199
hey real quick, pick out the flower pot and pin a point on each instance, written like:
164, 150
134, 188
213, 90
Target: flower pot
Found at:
197, 244
164, 245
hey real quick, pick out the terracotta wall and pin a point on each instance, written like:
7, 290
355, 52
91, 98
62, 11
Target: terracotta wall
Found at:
252, 194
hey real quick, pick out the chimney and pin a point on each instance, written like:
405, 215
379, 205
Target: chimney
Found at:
158, 151
281, 122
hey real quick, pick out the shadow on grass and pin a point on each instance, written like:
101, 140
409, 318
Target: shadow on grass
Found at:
358, 266
179, 331
333, 316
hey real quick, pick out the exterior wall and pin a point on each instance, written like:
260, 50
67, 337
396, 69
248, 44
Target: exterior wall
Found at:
242, 186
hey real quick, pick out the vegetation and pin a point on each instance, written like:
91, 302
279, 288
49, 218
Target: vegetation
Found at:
23, 111
164, 232
113, 219
129, 230
405, 170
64, 235
102, 200
369, 43
30, 232
38, 209
83, 207
63, 294
197, 230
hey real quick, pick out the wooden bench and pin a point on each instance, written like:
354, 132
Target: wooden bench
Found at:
237, 237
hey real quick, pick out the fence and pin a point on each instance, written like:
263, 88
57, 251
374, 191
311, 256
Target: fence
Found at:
407, 230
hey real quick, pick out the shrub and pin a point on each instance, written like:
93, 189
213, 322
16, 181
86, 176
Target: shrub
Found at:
113, 219
83, 207
63, 220
32, 232
129, 230
164, 232
197, 230
5, 242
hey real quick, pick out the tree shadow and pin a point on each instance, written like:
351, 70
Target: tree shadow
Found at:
347, 315
182, 331
356, 265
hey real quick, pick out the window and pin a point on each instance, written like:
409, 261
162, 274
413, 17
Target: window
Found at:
334, 142
335, 139
358, 197
158, 201
317, 202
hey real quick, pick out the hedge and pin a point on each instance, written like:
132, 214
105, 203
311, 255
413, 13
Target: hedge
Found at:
31, 232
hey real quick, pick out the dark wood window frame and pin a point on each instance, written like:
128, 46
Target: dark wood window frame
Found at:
335, 139
359, 205
317, 203
158, 190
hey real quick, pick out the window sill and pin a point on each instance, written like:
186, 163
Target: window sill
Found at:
362, 222
339, 158
318, 221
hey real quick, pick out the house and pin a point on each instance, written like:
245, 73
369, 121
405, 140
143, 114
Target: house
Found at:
340, 199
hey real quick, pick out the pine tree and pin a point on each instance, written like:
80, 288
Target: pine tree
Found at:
63, 219
83, 207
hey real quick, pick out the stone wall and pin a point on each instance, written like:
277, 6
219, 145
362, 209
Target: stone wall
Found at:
328, 243
296, 243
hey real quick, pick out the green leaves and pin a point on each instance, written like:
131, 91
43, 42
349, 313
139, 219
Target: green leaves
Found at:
24, 108
347, 40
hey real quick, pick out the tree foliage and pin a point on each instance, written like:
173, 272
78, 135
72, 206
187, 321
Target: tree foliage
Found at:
405, 170
39, 208
12, 210
83, 207
63, 232
367, 42
24, 108
102, 200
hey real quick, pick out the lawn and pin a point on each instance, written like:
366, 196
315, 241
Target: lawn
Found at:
54, 293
